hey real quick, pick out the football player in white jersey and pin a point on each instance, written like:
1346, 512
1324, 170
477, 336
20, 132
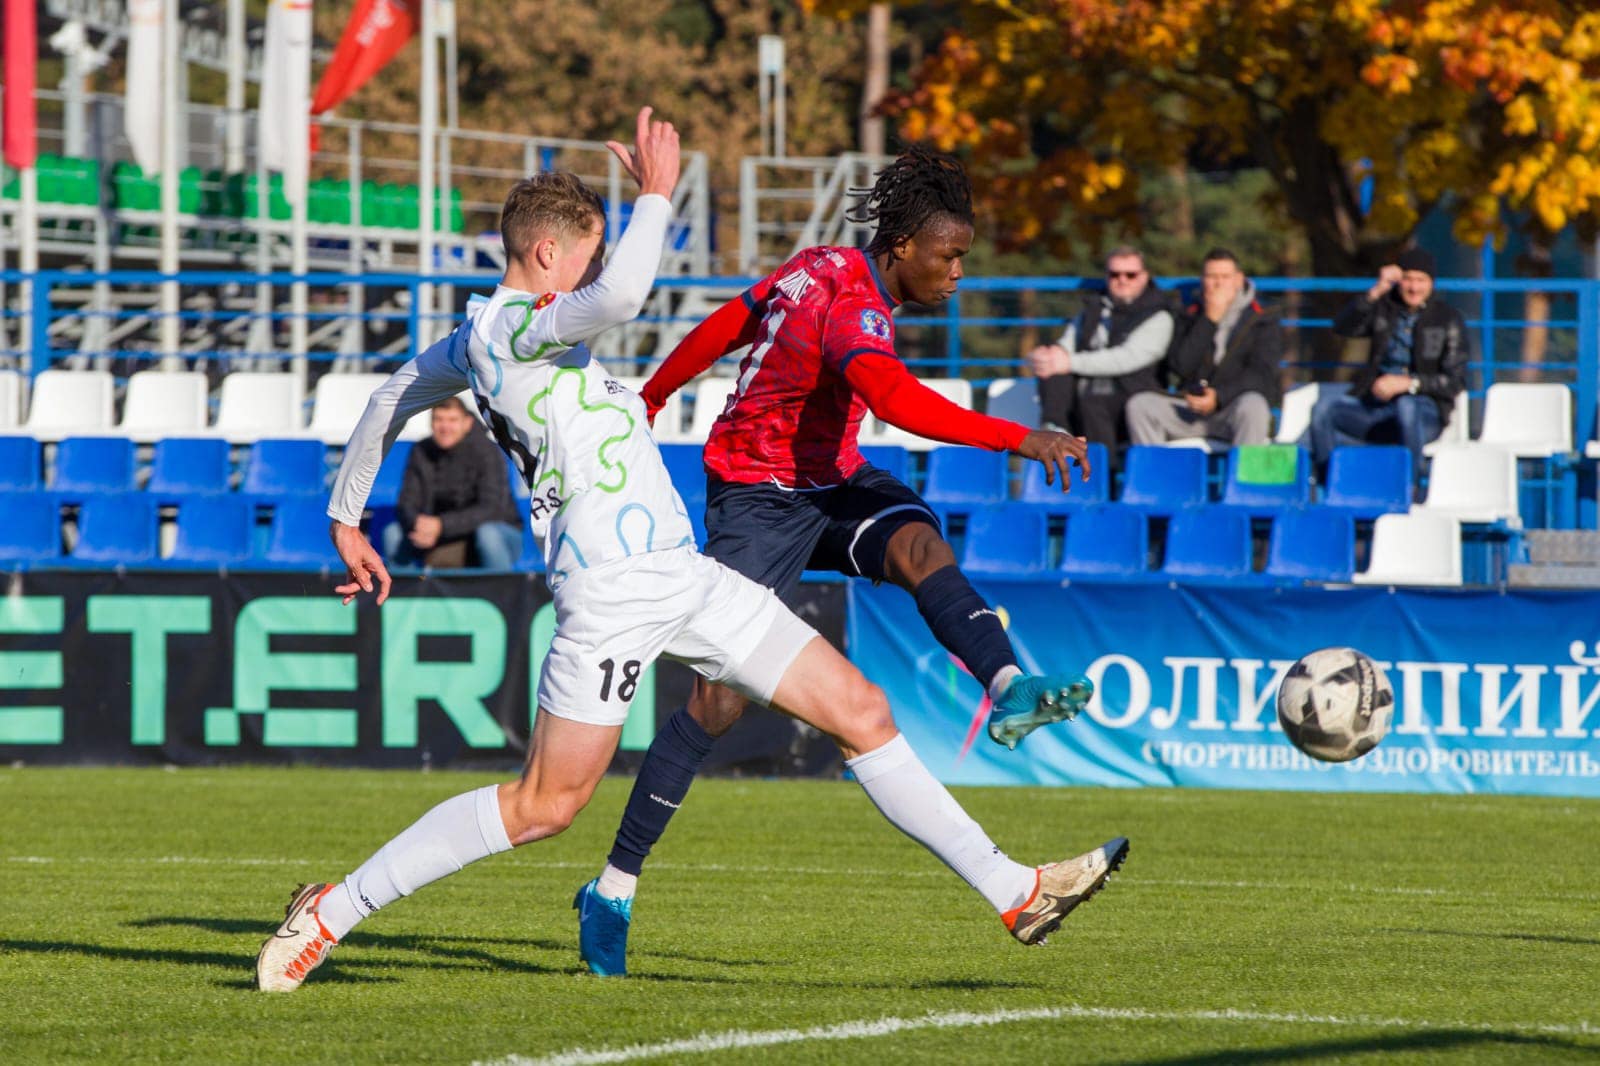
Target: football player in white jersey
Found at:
628, 584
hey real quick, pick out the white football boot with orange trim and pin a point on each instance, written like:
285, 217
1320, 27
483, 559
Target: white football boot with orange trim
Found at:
1060, 887
299, 945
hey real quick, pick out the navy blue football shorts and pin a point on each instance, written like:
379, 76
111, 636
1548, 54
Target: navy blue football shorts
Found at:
772, 535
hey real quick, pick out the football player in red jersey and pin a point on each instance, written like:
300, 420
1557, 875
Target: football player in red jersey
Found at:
788, 489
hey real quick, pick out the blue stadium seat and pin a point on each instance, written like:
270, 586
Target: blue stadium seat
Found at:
1262, 497
31, 531
1110, 541
1315, 544
1096, 490
278, 468
1366, 481
1208, 542
531, 559
299, 536
1011, 540
687, 470
891, 459
19, 464
89, 466
1161, 480
188, 466
214, 530
964, 478
386, 486
118, 528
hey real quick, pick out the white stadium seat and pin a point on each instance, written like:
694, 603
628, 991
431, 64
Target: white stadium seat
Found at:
337, 403
1473, 483
710, 397
957, 390
69, 403
1015, 399
1414, 549
257, 405
165, 403
11, 389
1457, 430
1294, 417
1533, 421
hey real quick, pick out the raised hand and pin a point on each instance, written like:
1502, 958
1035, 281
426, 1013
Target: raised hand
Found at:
363, 563
1056, 451
655, 158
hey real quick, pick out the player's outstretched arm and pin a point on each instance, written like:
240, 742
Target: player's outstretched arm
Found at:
731, 326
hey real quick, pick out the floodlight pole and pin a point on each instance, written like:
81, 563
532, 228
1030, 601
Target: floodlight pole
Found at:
773, 95
428, 130
169, 332
233, 153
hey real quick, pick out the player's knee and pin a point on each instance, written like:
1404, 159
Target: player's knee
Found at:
871, 721
915, 551
715, 708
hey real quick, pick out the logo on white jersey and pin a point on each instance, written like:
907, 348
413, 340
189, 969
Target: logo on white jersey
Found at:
875, 324
794, 285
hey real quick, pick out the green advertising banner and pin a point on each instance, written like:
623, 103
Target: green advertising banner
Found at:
205, 668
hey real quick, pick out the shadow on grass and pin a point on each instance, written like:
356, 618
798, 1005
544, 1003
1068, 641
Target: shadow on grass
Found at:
1539, 938
1482, 1040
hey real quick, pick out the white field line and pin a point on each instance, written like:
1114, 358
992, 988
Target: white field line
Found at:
737, 1039
1124, 880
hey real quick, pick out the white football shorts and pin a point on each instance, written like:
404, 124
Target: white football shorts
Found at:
612, 622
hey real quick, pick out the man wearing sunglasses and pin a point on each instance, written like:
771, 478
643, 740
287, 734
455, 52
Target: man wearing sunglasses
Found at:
1111, 351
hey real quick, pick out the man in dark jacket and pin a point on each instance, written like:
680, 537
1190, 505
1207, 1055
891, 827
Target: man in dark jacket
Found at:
1416, 367
1108, 353
455, 496
1225, 357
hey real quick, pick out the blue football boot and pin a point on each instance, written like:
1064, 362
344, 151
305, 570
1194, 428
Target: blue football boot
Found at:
1030, 702
603, 930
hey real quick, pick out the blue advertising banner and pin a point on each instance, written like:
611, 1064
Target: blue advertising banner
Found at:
1494, 692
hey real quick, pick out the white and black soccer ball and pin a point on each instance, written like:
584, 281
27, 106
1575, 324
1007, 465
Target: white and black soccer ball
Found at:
1335, 704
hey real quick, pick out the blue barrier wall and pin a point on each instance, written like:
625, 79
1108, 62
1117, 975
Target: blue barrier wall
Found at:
1495, 692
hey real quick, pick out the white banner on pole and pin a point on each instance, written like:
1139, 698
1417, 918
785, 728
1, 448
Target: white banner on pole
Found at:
286, 94
142, 102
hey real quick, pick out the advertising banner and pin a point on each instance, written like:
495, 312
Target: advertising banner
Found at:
1494, 691
198, 669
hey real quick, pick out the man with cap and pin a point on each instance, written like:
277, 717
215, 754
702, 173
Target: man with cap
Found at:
1416, 367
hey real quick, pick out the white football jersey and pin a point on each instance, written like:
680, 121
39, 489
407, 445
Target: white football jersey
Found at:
598, 488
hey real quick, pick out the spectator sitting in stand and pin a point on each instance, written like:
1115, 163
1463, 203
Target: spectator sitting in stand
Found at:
455, 502
1224, 357
1110, 352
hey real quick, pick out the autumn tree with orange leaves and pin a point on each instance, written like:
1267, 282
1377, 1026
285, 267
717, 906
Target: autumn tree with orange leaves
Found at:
1478, 109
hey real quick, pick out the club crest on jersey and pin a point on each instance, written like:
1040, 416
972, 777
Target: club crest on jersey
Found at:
875, 324
544, 301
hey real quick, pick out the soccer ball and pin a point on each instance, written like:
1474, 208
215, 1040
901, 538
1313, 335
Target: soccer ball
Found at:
1335, 704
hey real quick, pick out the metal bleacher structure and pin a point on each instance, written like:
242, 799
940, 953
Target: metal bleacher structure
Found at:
116, 452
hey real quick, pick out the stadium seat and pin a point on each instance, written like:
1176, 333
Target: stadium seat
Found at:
686, 468
19, 464
188, 466
891, 459
1294, 417
965, 478
1473, 483
1161, 480
531, 559
1316, 544
31, 531
1456, 427
11, 389
88, 466
68, 402
1109, 541
957, 390
214, 530
668, 426
1532, 421
1365, 481
1009, 541
1096, 490
710, 398
1208, 542
1414, 549
299, 535
117, 529
1014, 399
337, 404
285, 468
164, 403
1266, 478
260, 404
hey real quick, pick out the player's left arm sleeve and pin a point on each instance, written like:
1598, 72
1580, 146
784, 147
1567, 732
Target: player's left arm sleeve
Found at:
896, 396
1145, 346
426, 380
618, 294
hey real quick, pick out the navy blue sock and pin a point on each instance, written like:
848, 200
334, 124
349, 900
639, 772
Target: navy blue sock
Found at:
664, 778
967, 626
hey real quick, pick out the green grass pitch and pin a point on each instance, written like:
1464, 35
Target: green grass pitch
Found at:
785, 921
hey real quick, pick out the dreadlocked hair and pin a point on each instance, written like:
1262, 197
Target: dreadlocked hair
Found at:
919, 184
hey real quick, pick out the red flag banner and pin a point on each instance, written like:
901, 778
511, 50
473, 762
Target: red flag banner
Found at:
21, 141
376, 31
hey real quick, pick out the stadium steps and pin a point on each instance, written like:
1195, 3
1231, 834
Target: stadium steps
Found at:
1558, 558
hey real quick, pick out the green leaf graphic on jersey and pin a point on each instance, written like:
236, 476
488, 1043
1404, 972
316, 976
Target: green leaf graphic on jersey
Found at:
616, 473
528, 308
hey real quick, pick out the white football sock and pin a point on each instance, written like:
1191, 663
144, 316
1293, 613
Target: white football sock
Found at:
1002, 681
461, 830
617, 884
921, 808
